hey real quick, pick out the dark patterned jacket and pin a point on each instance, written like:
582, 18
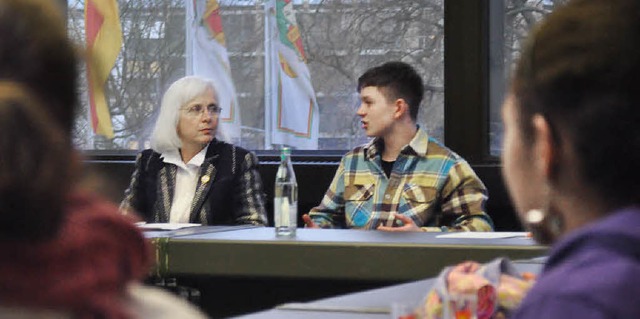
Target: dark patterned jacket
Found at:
229, 190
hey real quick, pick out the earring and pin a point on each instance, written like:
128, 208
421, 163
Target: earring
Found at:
545, 227
534, 216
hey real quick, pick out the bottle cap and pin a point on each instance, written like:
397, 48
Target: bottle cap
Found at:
284, 152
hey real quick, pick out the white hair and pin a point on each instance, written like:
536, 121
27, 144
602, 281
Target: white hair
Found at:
165, 133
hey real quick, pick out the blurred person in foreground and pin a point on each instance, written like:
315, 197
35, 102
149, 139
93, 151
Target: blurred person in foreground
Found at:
570, 158
66, 253
403, 180
189, 175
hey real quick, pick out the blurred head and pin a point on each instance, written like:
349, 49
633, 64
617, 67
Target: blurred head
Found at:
188, 115
395, 80
38, 82
35, 52
571, 120
35, 157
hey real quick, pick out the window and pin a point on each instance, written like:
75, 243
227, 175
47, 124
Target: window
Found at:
341, 39
519, 17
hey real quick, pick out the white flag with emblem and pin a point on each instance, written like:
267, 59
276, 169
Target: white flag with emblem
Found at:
291, 110
207, 57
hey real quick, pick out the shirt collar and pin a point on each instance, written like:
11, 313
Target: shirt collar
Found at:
417, 145
199, 158
173, 157
420, 142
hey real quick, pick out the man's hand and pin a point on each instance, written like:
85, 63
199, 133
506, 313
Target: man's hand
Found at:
308, 222
407, 224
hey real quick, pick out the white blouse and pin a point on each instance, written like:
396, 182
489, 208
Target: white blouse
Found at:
186, 182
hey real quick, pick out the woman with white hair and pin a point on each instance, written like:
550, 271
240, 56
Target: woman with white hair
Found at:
189, 175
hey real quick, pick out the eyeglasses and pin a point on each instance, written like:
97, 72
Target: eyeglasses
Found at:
198, 109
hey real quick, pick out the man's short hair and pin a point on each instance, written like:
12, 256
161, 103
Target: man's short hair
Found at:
396, 80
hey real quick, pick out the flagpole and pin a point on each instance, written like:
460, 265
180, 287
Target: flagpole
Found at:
90, 132
188, 21
268, 74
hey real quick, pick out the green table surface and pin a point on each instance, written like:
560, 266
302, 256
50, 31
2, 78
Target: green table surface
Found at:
323, 253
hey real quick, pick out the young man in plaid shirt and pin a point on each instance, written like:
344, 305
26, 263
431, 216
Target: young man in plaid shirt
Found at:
402, 180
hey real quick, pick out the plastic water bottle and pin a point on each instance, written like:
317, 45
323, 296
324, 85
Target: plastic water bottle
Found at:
285, 201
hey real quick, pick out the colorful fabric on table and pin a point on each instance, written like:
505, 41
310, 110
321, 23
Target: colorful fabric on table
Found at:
496, 288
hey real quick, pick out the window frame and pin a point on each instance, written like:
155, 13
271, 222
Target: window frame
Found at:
474, 79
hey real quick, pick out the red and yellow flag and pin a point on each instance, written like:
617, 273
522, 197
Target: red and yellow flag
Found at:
104, 39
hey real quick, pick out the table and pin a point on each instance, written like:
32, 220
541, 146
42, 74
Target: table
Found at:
241, 270
327, 253
160, 241
372, 304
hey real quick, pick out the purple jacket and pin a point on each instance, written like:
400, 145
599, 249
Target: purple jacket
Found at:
592, 273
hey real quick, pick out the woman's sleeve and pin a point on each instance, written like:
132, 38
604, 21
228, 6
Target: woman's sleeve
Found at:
250, 203
134, 195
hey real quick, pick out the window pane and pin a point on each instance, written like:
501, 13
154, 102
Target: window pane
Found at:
341, 39
519, 18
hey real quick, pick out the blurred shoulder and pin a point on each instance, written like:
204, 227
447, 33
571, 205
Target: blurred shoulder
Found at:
151, 302
591, 267
32, 313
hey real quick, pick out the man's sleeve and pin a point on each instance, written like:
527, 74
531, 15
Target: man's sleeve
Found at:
463, 200
330, 212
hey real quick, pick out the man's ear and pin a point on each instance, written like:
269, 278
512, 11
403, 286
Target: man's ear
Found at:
402, 108
545, 146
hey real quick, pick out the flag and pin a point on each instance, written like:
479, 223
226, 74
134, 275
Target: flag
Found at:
104, 39
207, 57
291, 110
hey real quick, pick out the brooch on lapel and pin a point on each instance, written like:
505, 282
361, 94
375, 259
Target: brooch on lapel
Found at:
204, 179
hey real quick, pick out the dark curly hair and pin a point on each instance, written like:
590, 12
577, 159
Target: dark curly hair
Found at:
580, 70
38, 99
35, 166
35, 51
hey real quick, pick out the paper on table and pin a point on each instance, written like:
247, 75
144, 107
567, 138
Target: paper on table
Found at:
165, 226
484, 235
298, 306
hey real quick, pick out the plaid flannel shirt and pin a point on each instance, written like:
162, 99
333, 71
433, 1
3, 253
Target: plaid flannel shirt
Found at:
428, 182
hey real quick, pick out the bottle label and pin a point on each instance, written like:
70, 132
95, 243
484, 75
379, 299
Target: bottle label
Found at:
281, 209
